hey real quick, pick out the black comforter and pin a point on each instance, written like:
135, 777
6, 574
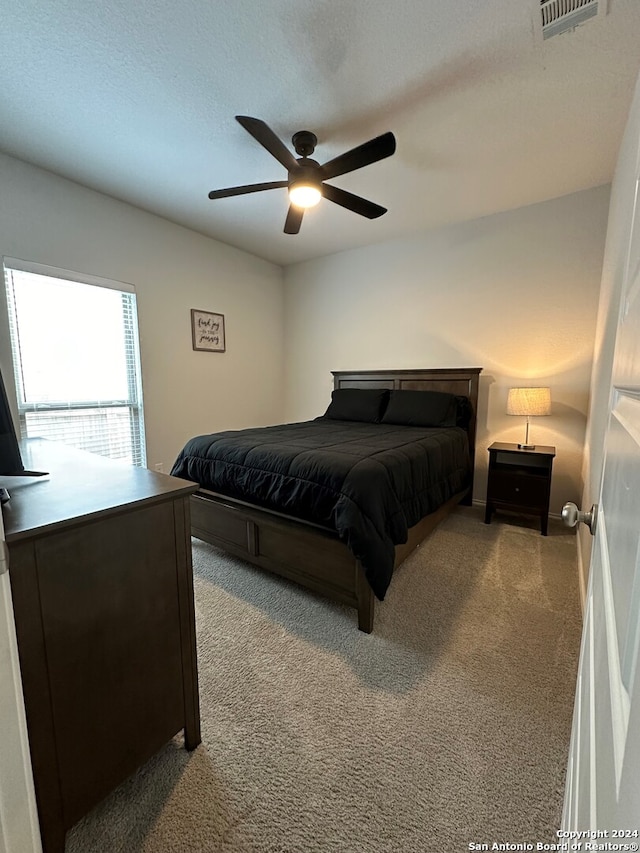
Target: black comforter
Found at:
368, 482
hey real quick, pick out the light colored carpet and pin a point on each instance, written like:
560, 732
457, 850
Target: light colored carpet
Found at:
448, 725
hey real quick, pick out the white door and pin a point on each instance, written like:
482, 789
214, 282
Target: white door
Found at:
603, 780
18, 821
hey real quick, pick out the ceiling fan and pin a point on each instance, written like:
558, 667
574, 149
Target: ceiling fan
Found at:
306, 177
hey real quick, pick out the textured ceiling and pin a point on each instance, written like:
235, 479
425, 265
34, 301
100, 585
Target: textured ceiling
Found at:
137, 100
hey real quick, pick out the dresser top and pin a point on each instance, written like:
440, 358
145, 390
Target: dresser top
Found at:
79, 486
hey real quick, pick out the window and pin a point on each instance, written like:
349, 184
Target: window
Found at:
76, 360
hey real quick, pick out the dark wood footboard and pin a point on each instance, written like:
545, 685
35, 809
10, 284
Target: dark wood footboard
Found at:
308, 554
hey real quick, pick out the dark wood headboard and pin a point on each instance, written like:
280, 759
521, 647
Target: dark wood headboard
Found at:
453, 380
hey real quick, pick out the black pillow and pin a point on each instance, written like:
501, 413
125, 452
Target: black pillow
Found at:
357, 404
421, 408
464, 411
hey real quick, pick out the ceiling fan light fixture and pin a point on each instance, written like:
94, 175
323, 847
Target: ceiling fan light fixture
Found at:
306, 177
304, 194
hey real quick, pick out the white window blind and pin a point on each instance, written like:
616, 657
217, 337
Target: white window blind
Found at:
76, 360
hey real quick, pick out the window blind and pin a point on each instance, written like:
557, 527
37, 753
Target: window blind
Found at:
76, 360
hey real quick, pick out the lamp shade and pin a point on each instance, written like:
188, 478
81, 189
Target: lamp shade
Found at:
529, 401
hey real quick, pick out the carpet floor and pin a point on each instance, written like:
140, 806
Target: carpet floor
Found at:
446, 727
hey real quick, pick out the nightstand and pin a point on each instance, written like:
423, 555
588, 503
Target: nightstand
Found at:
520, 480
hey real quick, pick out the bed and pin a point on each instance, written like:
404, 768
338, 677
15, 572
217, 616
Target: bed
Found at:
337, 503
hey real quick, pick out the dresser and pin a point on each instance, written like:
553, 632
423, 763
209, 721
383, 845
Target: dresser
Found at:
102, 588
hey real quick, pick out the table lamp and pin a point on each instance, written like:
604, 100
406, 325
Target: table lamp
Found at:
529, 402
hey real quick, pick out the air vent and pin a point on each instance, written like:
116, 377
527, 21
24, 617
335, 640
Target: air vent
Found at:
558, 16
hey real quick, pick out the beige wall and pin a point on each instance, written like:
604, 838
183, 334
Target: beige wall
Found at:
514, 293
49, 220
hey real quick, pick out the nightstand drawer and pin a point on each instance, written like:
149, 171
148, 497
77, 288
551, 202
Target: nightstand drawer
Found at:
527, 491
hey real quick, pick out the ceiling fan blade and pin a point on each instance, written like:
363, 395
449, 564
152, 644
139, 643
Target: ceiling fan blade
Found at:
248, 188
263, 134
369, 152
294, 219
353, 202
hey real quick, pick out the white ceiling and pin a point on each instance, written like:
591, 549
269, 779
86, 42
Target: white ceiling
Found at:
137, 100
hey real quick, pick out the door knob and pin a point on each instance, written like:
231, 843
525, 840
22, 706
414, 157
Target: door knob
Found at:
571, 516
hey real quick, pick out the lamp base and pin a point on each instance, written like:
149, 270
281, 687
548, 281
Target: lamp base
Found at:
527, 446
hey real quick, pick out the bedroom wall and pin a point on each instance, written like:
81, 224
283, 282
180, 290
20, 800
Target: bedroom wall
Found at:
515, 293
49, 220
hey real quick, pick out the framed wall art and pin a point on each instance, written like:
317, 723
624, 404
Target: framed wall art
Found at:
207, 331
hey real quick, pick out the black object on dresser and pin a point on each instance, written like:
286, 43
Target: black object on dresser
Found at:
102, 587
520, 480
